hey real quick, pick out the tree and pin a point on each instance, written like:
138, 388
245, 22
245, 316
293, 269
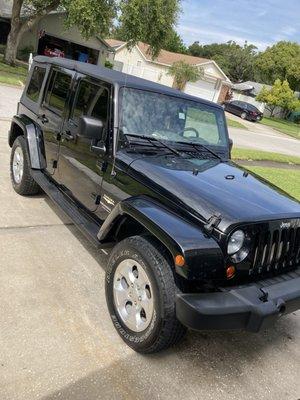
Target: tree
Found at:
147, 20
175, 43
235, 60
281, 61
280, 95
183, 73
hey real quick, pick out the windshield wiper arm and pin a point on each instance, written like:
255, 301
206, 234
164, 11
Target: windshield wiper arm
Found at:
195, 145
152, 139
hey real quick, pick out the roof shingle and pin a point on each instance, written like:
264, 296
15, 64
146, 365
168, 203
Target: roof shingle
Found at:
164, 57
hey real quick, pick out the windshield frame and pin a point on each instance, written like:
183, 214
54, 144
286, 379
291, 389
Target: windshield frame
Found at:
198, 101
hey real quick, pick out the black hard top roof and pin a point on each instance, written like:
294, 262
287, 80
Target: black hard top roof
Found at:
118, 78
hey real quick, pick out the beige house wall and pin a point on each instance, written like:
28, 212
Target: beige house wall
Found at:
53, 24
134, 63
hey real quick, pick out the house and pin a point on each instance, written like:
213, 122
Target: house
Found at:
247, 91
213, 86
49, 36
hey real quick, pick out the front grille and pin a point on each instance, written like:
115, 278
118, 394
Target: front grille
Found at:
276, 249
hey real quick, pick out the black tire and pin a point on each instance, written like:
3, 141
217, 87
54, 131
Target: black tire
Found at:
164, 330
26, 186
243, 115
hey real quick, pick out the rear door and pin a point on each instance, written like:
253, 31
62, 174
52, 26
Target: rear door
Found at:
53, 111
234, 106
80, 168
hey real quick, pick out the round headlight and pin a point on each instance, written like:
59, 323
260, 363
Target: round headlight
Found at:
235, 242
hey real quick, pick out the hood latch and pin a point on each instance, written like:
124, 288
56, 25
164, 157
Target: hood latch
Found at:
213, 222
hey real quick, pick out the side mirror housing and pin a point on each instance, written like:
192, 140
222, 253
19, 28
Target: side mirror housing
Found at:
90, 128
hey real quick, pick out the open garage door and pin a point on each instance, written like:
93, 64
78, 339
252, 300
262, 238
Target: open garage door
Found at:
203, 89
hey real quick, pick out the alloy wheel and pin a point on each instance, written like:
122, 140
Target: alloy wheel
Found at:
18, 164
133, 295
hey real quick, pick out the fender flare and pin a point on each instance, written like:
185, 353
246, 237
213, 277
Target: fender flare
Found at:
178, 235
34, 139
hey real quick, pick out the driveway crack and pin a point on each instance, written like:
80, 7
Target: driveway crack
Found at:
28, 227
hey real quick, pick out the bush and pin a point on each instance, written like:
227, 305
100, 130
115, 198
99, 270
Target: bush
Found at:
23, 54
108, 64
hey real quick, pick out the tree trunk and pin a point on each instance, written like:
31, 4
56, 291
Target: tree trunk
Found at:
14, 34
18, 27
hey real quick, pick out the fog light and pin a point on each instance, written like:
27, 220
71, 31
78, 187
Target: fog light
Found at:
179, 260
230, 272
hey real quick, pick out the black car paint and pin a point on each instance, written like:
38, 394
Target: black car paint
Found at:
239, 107
168, 182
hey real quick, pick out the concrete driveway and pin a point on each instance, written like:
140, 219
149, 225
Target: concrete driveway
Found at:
57, 340
9, 97
262, 137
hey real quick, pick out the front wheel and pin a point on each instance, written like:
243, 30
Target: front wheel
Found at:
140, 294
244, 115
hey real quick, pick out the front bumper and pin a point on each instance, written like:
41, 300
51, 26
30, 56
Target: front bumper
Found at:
249, 308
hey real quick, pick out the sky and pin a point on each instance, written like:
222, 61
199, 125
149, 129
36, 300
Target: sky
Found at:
260, 22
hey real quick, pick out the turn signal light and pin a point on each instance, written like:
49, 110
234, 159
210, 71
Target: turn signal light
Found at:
230, 272
179, 260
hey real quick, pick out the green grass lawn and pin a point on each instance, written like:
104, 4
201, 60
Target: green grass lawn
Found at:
235, 124
12, 75
258, 155
287, 127
287, 180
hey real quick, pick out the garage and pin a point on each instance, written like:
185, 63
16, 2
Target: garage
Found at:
208, 89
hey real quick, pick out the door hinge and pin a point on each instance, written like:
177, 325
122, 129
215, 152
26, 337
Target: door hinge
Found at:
213, 222
54, 164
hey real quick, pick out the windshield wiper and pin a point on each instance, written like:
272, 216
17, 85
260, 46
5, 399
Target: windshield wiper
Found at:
195, 145
153, 139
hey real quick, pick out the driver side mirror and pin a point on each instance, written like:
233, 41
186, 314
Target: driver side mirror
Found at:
91, 128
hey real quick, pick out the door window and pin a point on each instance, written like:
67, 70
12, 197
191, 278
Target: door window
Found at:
58, 90
36, 82
91, 100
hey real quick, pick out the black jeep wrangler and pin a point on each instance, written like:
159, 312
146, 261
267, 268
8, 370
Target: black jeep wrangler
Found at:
145, 170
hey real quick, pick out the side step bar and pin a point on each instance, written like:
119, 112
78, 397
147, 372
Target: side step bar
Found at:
86, 225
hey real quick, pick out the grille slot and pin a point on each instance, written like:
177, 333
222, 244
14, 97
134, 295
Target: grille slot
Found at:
275, 250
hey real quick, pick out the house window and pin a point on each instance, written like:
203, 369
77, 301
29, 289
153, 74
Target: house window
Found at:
36, 82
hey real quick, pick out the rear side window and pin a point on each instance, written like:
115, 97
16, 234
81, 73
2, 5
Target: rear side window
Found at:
58, 90
92, 100
36, 83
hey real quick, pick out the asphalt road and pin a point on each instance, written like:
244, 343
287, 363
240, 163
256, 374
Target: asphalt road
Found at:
57, 340
262, 137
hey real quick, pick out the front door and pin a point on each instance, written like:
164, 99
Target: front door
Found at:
52, 113
80, 169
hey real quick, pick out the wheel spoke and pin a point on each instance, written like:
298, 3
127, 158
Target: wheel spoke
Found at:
131, 317
147, 305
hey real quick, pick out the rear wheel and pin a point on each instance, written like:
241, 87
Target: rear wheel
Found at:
20, 176
140, 294
244, 115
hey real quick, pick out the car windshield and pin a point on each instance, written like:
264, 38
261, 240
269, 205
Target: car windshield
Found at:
171, 118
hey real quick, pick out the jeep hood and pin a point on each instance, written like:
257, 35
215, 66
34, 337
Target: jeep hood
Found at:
207, 187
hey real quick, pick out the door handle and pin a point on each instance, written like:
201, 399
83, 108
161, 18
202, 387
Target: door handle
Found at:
43, 119
68, 136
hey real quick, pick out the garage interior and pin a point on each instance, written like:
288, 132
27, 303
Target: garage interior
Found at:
51, 44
